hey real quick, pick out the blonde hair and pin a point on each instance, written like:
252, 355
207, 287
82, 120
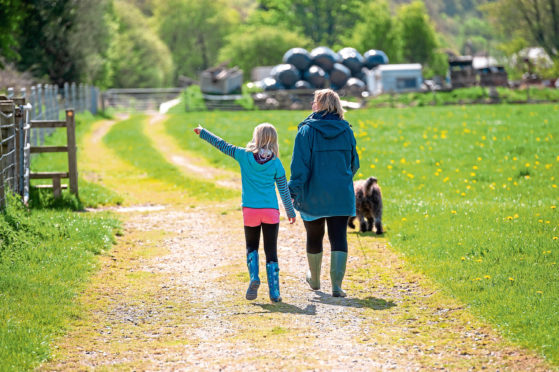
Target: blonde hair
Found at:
329, 101
264, 136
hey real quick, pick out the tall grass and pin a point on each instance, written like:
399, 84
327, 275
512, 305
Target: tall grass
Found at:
470, 198
45, 259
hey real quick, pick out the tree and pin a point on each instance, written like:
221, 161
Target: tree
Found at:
325, 22
419, 39
537, 21
10, 18
65, 40
138, 57
194, 31
377, 30
260, 46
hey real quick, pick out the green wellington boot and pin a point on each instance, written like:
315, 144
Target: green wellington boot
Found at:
338, 262
313, 275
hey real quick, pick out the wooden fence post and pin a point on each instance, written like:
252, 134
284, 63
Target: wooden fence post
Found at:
72, 150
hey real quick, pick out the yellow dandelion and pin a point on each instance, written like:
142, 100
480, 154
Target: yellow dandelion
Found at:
472, 174
509, 218
404, 219
479, 260
417, 161
553, 207
446, 179
511, 279
475, 167
527, 165
540, 221
555, 238
410, 175
463, 194
516, 215
453, 212
487, 276
389, 166
479, 158
514, 158
426, 216
463, 258
373, 166
539, 292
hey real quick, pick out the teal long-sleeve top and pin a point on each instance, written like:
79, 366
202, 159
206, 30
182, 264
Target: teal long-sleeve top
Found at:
258, 180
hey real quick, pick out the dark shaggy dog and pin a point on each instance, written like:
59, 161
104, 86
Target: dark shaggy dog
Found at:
368, 203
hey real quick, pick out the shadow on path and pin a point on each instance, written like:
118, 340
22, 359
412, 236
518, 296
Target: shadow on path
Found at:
368, 302
283, 307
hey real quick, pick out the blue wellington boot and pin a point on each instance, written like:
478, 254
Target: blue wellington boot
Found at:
252, 263
272, 270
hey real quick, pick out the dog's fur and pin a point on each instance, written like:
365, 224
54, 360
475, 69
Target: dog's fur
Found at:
368, 203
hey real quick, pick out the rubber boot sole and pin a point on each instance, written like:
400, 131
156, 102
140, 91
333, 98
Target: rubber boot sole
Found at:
252, 291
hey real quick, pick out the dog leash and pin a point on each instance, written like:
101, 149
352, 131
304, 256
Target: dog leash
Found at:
366, 261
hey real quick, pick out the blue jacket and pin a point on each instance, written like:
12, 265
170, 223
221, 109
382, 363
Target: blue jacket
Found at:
323, 165
259, 180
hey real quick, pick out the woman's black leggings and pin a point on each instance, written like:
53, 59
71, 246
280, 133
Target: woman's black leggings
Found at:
337, 233
270, 232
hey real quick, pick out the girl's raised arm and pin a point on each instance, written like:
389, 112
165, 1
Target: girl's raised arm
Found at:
220, 144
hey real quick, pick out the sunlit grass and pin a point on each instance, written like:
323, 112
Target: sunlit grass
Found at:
45, 259
91, 194
470, 194
132, 144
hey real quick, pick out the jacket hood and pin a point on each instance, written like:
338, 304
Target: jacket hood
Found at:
327, 124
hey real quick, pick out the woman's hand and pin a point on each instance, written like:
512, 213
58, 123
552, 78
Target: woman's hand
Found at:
198, 129
292, 220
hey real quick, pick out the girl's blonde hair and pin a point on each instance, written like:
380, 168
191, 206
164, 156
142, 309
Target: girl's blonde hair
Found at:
329, 101
264, 136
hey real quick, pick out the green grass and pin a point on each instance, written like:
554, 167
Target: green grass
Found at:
46, 257
91, 194
128, 140
470, 195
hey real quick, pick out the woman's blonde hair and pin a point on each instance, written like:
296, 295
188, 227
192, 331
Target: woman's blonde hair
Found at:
329, 101
264, 136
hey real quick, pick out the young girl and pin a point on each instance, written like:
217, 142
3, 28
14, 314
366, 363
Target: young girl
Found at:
261, 170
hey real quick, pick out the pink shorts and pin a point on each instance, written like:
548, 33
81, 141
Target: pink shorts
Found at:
255, 216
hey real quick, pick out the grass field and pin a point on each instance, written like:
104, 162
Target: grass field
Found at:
470, 197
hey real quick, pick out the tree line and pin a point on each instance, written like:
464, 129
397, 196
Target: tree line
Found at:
149, 43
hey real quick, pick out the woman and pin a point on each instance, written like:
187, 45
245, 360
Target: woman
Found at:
322, 169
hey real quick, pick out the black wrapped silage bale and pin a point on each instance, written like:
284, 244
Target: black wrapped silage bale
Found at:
298, 57
316, 76
270, 83
286, 74
324, 57
374, 57
355, 85
339, 75
352, 59
303, 84
362, 74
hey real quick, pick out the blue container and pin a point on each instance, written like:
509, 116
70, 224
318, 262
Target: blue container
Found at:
317, 76
298, 57
374, 57
286, 74
352, 59
325, 58
339, 75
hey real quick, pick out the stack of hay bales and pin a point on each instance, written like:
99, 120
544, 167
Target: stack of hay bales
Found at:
323, 68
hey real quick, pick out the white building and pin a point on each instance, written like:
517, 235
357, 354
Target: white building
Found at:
395, 78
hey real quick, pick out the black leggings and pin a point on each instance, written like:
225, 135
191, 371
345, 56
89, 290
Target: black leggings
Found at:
337, 233
252, 235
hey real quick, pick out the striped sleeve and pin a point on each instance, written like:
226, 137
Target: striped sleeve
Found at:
285, 196
218, 143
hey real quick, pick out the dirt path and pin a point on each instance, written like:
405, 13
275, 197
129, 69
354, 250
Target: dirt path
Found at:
170, 296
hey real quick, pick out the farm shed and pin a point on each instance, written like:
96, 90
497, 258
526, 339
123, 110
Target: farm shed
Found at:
395, 78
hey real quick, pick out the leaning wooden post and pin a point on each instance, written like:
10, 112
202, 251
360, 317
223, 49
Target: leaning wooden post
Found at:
19, 115
72, 150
